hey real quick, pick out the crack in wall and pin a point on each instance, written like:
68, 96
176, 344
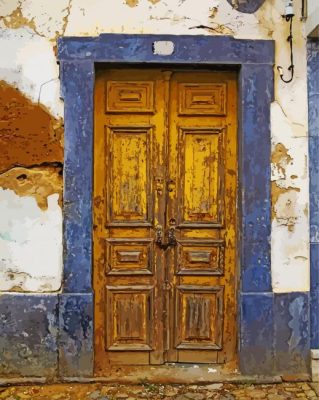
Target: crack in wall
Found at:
65, 19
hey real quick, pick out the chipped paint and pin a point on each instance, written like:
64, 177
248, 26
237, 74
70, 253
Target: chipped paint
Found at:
280, 158
131, 3
40, 183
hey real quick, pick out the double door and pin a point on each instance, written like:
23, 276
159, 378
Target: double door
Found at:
165, 185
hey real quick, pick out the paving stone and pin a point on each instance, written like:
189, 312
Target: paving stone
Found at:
311, 394
137, 391
258, 394
195, 396
214, 386
4, 394
181, 397
214, 391
95, 395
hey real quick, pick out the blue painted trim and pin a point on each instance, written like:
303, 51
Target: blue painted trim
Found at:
256, 94
256, 353
255, 60
313, 115
189, 49
76, 334
77, 90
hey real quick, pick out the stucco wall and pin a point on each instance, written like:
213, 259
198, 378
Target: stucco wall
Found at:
30, 233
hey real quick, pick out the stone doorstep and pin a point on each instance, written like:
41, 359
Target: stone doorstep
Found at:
315, 365
187, 375
315, 354
240, 379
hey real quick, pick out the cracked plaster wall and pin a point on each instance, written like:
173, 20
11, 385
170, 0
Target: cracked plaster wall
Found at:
28, 33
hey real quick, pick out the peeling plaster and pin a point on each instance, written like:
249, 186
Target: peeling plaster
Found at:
28, 133
39, 182
29, 64
30, 198
290, 199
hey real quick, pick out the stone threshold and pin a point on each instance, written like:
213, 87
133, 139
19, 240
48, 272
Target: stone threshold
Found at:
164, 374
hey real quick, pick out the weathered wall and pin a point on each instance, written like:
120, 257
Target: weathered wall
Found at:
29, 30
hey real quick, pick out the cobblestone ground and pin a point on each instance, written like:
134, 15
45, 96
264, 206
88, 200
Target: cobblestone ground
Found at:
216, 391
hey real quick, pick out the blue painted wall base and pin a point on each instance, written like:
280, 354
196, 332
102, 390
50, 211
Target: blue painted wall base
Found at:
313, 107
76, 334
28, 335
275, 336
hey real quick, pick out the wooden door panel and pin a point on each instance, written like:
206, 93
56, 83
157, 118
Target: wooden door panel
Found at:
129, 318
129, 185
202, 99
129, 97
199, 312
200, 257
201, 180
129, 256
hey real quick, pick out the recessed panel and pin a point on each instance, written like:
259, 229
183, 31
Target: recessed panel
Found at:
129, 317
129, 257
200, 258
129, 178
202, 99
129, 97
199, 317
202, 175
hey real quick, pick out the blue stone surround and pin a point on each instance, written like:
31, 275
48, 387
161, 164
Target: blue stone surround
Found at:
255, 60
313, 106
270, 325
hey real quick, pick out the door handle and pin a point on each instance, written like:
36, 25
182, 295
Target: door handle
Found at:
160, 237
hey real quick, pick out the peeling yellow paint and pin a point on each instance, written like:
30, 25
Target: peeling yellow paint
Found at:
16, 20
281, 158
38, 182
283, 205
131, 3
154, 1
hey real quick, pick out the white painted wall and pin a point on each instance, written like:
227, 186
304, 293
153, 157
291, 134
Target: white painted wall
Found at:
30, 243
28, 42
312, 22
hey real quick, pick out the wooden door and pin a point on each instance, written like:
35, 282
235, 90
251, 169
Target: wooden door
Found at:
164, 217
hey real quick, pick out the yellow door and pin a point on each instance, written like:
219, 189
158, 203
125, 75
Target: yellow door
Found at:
164, 217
